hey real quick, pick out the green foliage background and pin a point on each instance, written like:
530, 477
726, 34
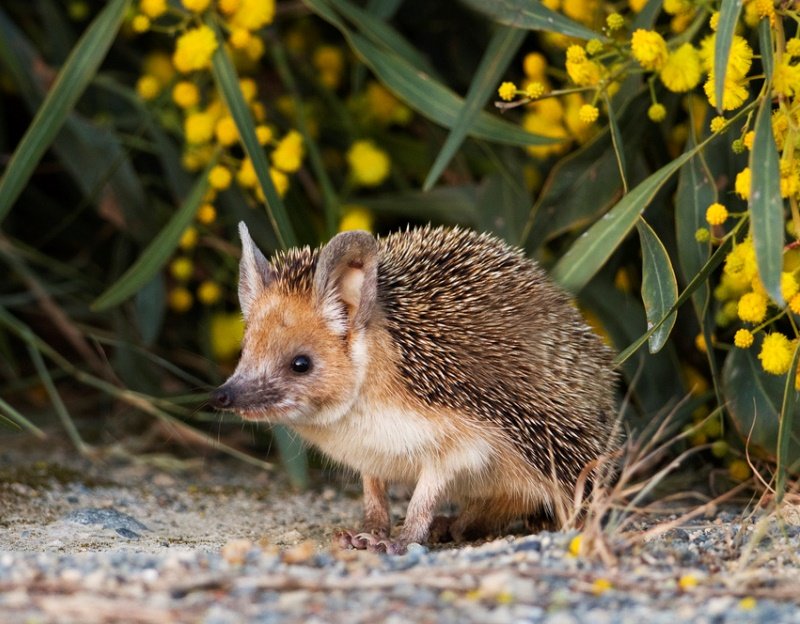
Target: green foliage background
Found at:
94, 202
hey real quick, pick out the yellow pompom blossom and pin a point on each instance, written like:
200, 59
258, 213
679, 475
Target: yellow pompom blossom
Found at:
188, 239
789, 286
575, 545
148, 87
535, 65
228, 7
615, 21
329, 62
534, 90
743, 338
739, 60
220, 177
181, 269
180, 299
194, 48
739, 470
140, 23
742, 184
288, 154
716, 214
793, 47
198, 128
776, 353
356, 217
601, 586
687, 582
507, 91
253, 14
752, 307
208, 292
538, 121
649, 49
185, 94
225, 335
702, 235
246, 176
748, 603
580, 69
153, 8
794, 304
279, 180
263, 134
786, 79
240, 38
226, 132
196, 6
718, 124
383, 107
369, 165
657, 112
681, 71
588, 114
594, 46
207, 214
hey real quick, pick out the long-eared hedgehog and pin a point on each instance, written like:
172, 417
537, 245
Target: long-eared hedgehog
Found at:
437, 357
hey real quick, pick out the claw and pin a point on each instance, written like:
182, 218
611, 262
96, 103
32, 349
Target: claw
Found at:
372, 542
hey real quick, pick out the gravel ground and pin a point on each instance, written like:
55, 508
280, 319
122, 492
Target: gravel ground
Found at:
219, 542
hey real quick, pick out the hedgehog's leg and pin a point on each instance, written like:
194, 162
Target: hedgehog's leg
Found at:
377, 521
419, 515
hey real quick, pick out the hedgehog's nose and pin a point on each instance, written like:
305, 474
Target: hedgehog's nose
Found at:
222, 398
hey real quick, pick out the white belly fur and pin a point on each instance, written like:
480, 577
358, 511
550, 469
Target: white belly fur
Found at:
396, 444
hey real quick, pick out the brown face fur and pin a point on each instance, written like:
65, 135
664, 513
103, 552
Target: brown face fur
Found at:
281, 327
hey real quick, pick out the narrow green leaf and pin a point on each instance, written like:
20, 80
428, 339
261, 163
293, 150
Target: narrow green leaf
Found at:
421, 92
159, 250
448, 204
766, 204
529, 15
374, 27
18, 419
728, 18
713, 262
752, 398
501, 49
696, 192
583, 185
765, 46
647, 16
228, 84
590, 252
659, 287
329, 196
72, 80
619, 146
293, 456
789, 408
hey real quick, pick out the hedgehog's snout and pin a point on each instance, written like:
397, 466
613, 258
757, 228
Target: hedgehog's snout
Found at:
223, 397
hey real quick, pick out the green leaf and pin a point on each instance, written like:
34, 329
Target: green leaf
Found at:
72, 80
696, 192
421, 92
590, 252
659, 287
702, 276
445, 204
228, 84
585, 184
646, 18
789, 408
728, 18
752, 400
7, 410
619, 146
766, 203
765, 46
531, 15
503, 46
159, 250
382, 34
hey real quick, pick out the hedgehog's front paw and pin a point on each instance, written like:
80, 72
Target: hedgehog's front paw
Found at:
373, 541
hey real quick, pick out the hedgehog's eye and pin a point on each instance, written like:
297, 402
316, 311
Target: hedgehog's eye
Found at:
301, 364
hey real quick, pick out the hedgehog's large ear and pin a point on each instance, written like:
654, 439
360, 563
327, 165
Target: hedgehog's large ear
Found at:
347, 273
255, 273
